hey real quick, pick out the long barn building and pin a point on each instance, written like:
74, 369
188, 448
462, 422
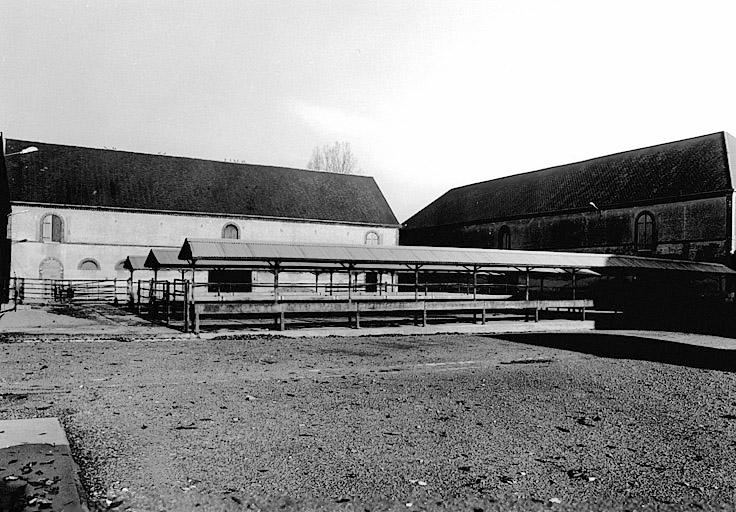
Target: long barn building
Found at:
78, 213
673, 200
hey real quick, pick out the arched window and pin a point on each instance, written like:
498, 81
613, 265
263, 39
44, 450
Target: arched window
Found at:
504, 238
88, 264
51, 228
645, 232
372, 238
231, 231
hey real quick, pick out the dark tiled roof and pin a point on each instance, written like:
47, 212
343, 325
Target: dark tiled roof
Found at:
80, 176
658, 173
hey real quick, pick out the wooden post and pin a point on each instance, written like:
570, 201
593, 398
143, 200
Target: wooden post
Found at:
573, 284
282, 321
357, 316
350, 294
475, 283
151, 299
276, 282
316, 282
193, 314
186, 306
424, 315
331, 274
483, 314
526, 291
416, 283
350, 284
138, 299
167, 302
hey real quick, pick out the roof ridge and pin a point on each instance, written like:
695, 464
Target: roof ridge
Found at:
618, 153
130, 152
675, 169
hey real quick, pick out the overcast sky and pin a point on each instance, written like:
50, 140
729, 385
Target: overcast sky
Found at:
431, 94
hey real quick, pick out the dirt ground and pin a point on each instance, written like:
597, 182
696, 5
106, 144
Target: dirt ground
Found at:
579, 421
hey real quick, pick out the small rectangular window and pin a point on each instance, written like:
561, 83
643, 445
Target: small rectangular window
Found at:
230, 281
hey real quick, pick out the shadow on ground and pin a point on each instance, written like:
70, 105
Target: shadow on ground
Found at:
632, 347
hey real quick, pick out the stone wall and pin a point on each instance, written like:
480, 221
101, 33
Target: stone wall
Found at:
697, 229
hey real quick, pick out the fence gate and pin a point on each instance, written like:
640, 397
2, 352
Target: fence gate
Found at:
67, 291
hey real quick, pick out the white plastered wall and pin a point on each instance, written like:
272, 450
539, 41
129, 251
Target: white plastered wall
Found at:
109, 236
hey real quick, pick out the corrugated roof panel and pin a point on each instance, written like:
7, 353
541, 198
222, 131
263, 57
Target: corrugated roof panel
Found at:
160, 258
201, 250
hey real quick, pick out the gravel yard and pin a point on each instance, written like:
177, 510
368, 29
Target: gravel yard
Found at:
592, 421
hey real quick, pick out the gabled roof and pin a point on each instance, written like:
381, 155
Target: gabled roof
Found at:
78, 176
686, 168
368, 256
135, 263
169, 258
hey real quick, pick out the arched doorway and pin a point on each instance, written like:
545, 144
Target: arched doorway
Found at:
51, 268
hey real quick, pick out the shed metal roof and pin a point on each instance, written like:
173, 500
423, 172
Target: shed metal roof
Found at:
135, 263
164, 258
203, 250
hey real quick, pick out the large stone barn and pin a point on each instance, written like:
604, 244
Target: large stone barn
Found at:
78, 213
672, 200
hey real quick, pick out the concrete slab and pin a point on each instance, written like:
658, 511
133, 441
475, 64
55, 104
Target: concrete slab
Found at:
37, 471
495, 327
32, 431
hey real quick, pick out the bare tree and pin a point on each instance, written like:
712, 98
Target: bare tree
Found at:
337, 158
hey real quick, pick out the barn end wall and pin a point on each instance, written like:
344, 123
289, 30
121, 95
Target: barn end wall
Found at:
696, 230
108, 237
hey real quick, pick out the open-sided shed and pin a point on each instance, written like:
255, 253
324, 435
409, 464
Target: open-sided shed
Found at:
355, 259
